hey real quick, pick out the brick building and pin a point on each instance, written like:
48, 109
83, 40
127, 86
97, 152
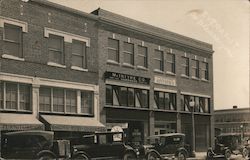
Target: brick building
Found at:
153, 81
48, 71
235, 120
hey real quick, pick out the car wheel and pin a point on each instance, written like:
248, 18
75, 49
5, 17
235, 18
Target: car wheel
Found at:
46, 157
245, 153
152, 156
82, 157
181, 156
210, 154
227, 154
129, 156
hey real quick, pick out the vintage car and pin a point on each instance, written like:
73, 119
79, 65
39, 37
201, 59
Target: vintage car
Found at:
105, 145
227, 144
34, 145
165, 146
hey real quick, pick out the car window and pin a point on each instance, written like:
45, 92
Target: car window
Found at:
102, 139
173, 140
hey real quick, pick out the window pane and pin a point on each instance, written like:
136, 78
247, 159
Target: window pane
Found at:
1, 95
12, 48
123, 98
115, 96
158, 60
109, 97
12, 33
186, 103
128, 58
129, 47
161, 100
113, 55
141, 98
167, 101
44, 99
11, 96
172, 101
79, 53
25, 94
71, 101
113, 49
112, 43
55, 56
77, 61
58, 100
196, 104
55, 42
87, 102
131, 97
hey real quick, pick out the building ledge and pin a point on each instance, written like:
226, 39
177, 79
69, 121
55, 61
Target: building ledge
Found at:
8, 56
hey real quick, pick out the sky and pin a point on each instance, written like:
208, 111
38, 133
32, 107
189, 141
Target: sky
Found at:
224, 24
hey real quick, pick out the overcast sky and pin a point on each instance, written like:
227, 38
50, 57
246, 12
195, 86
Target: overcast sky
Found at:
224, 23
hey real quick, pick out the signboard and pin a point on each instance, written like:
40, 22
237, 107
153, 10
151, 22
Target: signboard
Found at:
126, 78
165, 81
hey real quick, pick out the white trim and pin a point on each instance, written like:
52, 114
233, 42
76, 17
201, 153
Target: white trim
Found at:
118, 83
8, 56
196, 94
79, 68
165, 90
68, 37
113, 36
22, 24
56, 64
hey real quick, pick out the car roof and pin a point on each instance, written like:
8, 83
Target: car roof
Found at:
167, 135
228, 134
41, 133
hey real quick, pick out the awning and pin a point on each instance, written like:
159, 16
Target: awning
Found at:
72, 123
19, 121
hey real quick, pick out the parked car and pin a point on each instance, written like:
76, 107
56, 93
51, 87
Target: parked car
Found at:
34, 145
105, 145
227, 144
166, 146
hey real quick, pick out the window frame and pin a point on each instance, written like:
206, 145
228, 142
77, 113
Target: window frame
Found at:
114, 49
161, 69
166, 105
83, 53
195, 68
185, 66
61, 51
171, 62
131, 54
204, 70
144, 56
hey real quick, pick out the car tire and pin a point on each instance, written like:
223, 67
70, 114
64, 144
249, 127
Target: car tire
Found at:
46, 157
245, 153
227, 154
129, 156
152, 156
81, 157
181, 156
210, 154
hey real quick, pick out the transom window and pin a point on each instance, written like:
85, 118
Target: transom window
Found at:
113, 50
158, 60
56, 49
170, 63
128, 53
185, 66
126, 96
13, 43
143, 56
164, 100
79, 54
195, 68
204, 70
17, 96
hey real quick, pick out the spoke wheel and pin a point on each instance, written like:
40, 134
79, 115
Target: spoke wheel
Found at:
152, 156
129, 156
82, 157
46, 157
227, 154
181, 156
245, 153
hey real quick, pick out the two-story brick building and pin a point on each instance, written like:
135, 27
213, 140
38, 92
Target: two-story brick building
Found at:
48, 71
153, 81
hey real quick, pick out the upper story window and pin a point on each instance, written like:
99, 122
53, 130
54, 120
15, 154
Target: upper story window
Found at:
128, 53
195, 68
164, 100
17, 96
204, 70
56, 49
170, 63
79, 54
185, 66
158, 60
127, 97
113, 50
200, 104
13, 43
142, 56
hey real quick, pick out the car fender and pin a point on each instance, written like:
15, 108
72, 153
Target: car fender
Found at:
79, 153
182, 149
46, 152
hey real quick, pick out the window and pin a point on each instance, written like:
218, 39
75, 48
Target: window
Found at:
142, 56
195, 68
45, 99
113, 50
201, 104
185, 66
170, 63
125, 96
79, 54
158, 60
71, 106
164, 100
18, 96
204, 70
87, 102
128, 53
58, 100
13, 40
56, 49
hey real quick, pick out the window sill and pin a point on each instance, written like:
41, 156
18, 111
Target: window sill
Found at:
113, 62
204, 80
195, 78
170, 73
185, 76
7, 56
128, 65
66, 114
15, 111
158, 71
142, 68
79, 68
53, 64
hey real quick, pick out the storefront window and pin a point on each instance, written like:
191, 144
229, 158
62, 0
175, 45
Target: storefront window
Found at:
201, 104
71, 101
1, 95
58, 100
87, 102
164, 100
109, 99
24, 97
45, 99
131, 97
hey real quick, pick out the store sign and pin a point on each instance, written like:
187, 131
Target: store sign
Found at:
126, 78
165, 81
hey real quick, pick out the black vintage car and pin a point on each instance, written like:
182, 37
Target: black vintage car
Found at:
106, 145
166, 146
34, 145
227, 144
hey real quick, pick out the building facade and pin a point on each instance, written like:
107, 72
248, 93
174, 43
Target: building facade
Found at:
235, 120
153, 81
48, 71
